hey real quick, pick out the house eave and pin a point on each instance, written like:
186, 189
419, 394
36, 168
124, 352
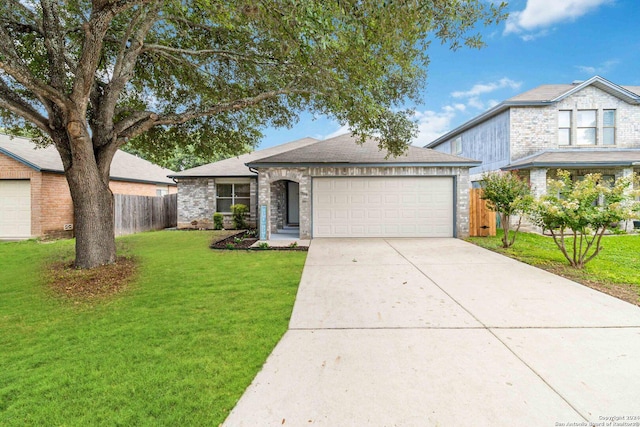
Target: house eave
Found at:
364, 165
21, 160
567, 165
178, 177
498, 109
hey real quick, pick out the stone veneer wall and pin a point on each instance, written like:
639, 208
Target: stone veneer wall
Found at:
197, 202
303, 176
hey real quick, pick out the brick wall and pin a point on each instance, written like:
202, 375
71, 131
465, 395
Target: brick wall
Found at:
137, 188
534, 129
57, 206
51, 204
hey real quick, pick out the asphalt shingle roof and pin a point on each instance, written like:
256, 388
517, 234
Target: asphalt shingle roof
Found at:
344, 149
577, 158
236, 166
550, 92
124, 167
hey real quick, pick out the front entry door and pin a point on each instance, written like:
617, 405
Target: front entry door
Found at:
293, 202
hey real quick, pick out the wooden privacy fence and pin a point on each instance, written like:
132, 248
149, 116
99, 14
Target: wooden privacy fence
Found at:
134, 214
482, 221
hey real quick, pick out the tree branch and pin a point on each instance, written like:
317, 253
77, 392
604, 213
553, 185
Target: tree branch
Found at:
222, 53
126, 58
175, 118
14, 67
13, 102
54, 43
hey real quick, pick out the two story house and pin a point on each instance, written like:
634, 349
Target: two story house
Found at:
583, 127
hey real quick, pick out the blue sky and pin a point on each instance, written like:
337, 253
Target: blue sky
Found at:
542, 42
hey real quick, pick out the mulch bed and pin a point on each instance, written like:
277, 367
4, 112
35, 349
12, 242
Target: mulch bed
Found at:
244, 240
84, 285
239, 240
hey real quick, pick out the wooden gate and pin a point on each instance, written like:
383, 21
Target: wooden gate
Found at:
482, 221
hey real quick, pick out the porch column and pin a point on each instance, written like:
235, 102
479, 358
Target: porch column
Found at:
538, 180
264, 199
625, 173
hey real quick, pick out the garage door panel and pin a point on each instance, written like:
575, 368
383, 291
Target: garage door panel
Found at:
15, 209
383, 207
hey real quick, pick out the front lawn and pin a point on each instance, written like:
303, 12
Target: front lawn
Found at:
616, 270
177, 347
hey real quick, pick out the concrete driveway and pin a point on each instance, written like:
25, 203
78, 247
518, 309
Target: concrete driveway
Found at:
438, 332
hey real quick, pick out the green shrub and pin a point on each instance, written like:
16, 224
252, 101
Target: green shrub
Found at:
218, 221
239, 213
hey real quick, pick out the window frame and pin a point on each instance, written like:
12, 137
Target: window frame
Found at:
233, 196
456, 146
612, 127
568, 128
594, 127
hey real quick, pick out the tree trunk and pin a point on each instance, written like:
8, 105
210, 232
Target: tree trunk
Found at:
92, 207
93, 210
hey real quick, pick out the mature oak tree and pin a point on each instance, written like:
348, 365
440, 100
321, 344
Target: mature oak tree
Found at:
89, 76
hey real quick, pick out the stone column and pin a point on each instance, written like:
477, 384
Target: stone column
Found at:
264, 198
538, 180
305, 205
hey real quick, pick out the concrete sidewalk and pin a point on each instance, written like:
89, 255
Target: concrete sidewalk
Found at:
439, 332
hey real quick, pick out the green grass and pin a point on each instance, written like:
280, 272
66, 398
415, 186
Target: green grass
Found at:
178, 347
615, 268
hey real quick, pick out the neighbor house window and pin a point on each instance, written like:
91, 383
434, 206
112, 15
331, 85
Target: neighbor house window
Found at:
564, 127
231, 194
456, 146
609, 127
586, 127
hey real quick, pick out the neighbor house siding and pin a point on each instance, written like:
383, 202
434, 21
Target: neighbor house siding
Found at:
12, 169
57, 206
487, 142
51, 203
627, 115
535, 129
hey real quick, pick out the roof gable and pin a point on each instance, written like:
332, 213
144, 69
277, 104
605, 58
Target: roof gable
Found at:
124, 167
236, 166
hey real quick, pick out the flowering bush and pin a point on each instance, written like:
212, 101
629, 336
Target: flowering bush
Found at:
507, 195
583, 209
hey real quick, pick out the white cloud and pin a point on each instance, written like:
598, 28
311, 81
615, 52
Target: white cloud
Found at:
432, 124
540, 14
604, 67
482, 88
340, 131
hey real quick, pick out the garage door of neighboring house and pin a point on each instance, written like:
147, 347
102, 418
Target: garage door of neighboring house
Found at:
383, 207
15, 209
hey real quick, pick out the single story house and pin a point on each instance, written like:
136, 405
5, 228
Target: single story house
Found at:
34, 195
333, 188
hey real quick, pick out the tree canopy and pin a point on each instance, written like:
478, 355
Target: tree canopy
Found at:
91, 76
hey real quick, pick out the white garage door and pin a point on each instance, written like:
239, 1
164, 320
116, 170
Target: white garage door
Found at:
15, 209
383, 207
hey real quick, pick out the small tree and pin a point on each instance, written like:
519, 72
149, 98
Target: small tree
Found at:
239, 212
507, 195
583, 209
